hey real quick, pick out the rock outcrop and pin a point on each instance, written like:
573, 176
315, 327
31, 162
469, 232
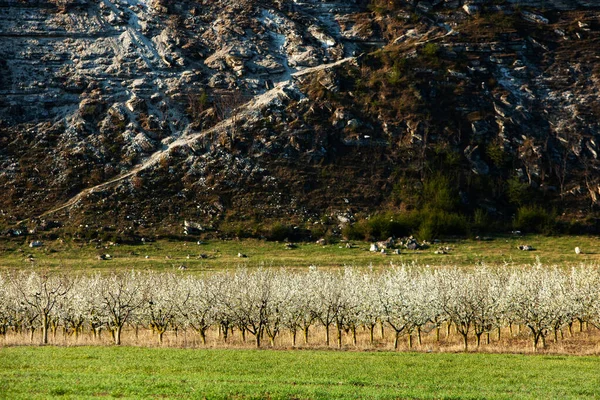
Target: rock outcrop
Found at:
148, 111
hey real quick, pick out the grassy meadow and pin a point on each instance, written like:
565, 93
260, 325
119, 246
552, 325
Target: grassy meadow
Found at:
218, 255
132, 372
182, 367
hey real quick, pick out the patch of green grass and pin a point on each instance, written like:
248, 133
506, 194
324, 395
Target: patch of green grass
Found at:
129, 372
168, 255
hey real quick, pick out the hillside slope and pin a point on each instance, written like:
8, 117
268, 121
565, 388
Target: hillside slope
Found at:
136, 115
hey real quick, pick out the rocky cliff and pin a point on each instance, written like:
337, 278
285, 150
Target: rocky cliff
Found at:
140, 114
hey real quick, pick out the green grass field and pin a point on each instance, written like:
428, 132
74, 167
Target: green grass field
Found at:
166, 255
130, 372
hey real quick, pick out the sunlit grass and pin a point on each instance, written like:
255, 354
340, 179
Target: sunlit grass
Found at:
84, 372
219, 255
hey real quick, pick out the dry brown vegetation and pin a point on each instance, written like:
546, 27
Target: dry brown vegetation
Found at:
576, 342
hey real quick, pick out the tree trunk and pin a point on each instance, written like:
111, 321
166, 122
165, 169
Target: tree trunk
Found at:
371, 334
396, 340
203, 336
117, 333
499, 333
465, 341
437, 333
478, 336
536, 338
382, 331
409, 341
54, 328
224, 332
487, 335
45, 329
327, 335
354, 335
448, 325
339, 337
160, 337
420, 340
305, 330
294, 337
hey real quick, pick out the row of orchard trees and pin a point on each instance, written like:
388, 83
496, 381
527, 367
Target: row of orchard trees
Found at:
263, 303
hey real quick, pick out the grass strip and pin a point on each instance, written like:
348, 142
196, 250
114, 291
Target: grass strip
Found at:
134, 372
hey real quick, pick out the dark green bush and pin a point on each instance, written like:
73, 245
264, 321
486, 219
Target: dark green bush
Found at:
426, 224
280, 232
535, 219
436, 223
439, 194
481, 221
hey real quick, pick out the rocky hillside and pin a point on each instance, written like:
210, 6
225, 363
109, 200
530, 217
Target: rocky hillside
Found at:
129, 115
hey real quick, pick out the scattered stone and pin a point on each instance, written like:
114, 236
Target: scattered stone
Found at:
36, 243
535, 18
192, 228
386, 244
526, 247
240, 255
290, 246
104, 257
443, 250
374, 248
182, 267
321, 242
396, 252
577, 250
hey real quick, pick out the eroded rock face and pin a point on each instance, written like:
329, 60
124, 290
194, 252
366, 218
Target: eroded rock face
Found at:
255, 107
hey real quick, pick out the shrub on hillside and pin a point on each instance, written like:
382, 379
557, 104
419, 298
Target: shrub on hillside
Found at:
535, 219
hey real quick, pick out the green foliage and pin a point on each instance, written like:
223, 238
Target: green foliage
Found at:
382, 226
535, 219
481, 221
518, 192
238, 229
439, 194
425, 224
430, 50
394, 76
437, 223
280, 232
497, 155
